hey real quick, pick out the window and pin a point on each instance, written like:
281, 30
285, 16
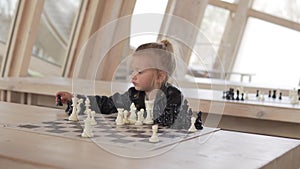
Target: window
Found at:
54, 33
212, 27
271, 52
141, 10
7, 11
287, 9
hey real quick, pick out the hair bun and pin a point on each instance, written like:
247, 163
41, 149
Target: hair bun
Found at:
167, 45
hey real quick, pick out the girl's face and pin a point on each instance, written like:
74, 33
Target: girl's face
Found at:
144, 74
143, 80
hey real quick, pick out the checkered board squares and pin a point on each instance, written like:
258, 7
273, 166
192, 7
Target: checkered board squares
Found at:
107, 133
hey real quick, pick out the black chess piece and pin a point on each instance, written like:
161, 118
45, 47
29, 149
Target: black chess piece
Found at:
59, 102
242, 99
274, 94
299, 94
280, 96
257, 93
237, 95
270, 93
69, 108
198, 122
230, 94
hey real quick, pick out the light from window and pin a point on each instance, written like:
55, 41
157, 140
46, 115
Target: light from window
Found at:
271, 52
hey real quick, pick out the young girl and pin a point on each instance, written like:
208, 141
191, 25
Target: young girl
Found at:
152, 64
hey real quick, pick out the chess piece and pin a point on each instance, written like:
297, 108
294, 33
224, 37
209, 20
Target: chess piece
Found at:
257, 93
149, 110
242, 99
74, 116
270, 94
274, 94
246, 95
261, 97
88, 128
280, 96
192, 127
132, 116
93, 121
119, 120
59, 102
198, 122
154, 137
125, 119
139, 118
237, 95
78, 108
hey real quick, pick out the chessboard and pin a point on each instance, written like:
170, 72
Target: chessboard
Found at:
107, 133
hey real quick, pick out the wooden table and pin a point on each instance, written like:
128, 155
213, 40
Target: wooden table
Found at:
221, 149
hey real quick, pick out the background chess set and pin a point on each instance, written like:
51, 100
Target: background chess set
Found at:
271, 96
107, 133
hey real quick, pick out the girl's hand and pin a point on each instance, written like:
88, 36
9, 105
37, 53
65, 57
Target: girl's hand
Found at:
64, 96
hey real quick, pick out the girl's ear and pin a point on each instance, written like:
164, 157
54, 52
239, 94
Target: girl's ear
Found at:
162, 76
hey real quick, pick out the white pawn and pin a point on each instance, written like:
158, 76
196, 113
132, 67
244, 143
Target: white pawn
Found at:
139, 118
119, 120
125, 119
88, 128
261, 97
87, 103
193, 128
73, 116
246, 95
93, 121
154, 137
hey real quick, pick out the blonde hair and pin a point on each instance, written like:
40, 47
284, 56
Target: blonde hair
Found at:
164, 49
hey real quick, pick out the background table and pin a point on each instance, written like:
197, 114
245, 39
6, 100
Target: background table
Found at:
222, 149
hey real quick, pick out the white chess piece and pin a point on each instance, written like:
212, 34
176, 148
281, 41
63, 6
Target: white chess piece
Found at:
193, 128
88, 128
142, 114
154, 138
139, 118
261, 97
78, 108
294, 97
125, 119
132, 116
73, 116
149, 110
119, 120
93, 121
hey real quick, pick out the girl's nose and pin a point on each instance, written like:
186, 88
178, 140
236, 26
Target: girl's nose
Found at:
133, 75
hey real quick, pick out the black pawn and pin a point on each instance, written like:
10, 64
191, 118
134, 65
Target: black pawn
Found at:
198, 122
242, 99
280, 96
59, 102
257, 93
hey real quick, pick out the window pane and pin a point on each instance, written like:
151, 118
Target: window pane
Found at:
287, 9
144, 7
212, 27
7, 11
273, 55
53, 38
